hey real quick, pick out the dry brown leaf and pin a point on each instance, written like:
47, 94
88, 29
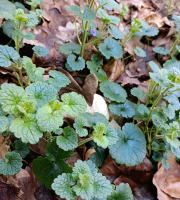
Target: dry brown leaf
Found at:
114, 68
130, 45
167, 182
141, 173
124, 79
40, 147
3, 147
89, 153
88, 90
70, 161
1, 20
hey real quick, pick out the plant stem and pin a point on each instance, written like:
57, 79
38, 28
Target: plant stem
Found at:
85, 33
13, 68
85, 141
153, 106
169, 7
175, 43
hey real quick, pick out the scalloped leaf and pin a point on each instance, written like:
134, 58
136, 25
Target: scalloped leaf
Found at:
48, 168
42, 93
140, 52
63, 186
137, 93
123, 192
73, 104
7, 9
4, 123
12, 98
78, 125
113, 91
69, 48
49, 119
59, 79
102, 186
115, 32
8, 29
127, 110
111, 48
92, 120
161, 50
107, 18
35, 74
27, 129
130, 148
21, 148
6, 55
87, 15
75, 64
110, 4
32, 20
11, 164
69, 141
40, 51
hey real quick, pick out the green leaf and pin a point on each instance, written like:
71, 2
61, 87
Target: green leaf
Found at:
113, 91
92, 120
159, 118
73, 104
11, 164
7, 9
111, 48
27, 129
172, 133
97, 157
137, 93
28, 35
140, 52
32, 20
63, 186
122, 192
110, 4
4, 123
12, 97
69, 141
21, 148
161, 50
87, 15
169, 111
59, 79
41, 93
126, 110
173, 62
98, 135
48, 168
78, 125
154, 66
115, 32
40, 51
6, 55
165, 162
96, 69
178, 48
130, 148
48, 119
160, 78
69, 48
102, 186
35, 74
107, 18
8, 29
142, 112
75, 64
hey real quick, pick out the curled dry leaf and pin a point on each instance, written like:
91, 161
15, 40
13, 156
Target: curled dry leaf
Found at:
1, 20
3, 147
167, 182
40, 147
114, 68
139, 174
88, 90
89, 153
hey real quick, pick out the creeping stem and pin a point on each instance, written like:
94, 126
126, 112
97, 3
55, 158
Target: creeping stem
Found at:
85, 141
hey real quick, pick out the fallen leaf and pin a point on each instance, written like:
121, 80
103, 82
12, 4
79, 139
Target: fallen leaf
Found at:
88, 90
124, 79
40, 147
114, 68
167, 182
1, 20
89, 153
70, 161
3, 147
